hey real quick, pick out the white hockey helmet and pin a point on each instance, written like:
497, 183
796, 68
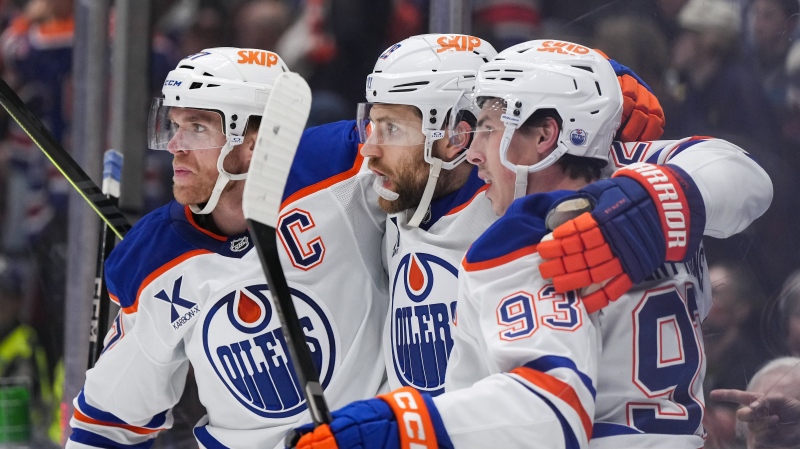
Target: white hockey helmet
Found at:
429, 72
232, 82
577, 82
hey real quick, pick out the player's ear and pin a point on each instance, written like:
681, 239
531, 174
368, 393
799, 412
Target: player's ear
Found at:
547, 136
457, 142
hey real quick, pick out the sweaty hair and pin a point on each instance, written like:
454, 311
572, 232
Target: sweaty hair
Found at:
576, 167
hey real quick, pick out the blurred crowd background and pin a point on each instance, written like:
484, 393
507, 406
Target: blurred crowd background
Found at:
722, 68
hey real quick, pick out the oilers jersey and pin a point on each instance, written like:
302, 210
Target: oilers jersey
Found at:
630, 375
423, 262
191, 297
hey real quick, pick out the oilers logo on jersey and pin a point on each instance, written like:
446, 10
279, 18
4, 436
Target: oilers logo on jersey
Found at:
244, 343
420, 328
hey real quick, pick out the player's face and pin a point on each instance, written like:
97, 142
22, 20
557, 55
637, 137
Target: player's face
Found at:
484, 152
402, 168
195, 171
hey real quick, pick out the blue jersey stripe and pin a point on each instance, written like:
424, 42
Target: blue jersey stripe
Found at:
94, 440
204, 436
570, 440
96, 413
607, 429
551, 362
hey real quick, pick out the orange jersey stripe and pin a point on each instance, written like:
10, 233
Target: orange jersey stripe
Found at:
458, 209
496, 262
137, 430
559, 388
113, 298
190, 217
158, 272
324, 184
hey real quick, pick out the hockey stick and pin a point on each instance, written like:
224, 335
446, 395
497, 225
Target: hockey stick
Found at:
112, 173
281, 127
73, 172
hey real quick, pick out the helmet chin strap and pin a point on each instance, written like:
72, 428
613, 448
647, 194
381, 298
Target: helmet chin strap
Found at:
222, 181
522, 171
427, 195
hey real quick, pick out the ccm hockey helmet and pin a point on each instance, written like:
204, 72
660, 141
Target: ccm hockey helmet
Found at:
232, 83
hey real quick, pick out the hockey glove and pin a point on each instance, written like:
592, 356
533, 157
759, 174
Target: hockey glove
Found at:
642, 115
643, 216
401, 419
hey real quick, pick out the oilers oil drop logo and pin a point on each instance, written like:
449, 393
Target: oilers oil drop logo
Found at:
245, 345
423, 306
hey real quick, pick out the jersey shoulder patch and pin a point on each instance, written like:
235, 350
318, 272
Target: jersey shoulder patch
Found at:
515, 234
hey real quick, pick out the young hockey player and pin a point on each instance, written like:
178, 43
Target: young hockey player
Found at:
192, 290
530, 366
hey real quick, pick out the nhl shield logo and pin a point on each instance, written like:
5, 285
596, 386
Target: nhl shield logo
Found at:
245, 345
240, 244
423, 305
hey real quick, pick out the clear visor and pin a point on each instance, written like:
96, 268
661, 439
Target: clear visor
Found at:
175, 129
487, 113
389, 124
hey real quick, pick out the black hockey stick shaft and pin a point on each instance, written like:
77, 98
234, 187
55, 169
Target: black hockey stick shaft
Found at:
73, 172
100, 300
267, 247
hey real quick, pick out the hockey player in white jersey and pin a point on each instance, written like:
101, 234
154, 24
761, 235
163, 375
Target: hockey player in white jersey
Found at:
524, 371
192, 290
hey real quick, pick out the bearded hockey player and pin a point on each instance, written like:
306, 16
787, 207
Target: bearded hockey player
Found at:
530, 367
192, 290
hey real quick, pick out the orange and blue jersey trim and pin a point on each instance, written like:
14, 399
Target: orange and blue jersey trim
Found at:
326, 155
190, 219
498, 261
515, 234
160, 271
559, 389
88, 414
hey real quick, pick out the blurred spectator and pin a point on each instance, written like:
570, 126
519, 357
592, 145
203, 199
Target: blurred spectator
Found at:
206, 30
37, 55
789, 314
731, 356
24, 381
260, 23
771, 406
791, 121
334, 44
716, 92
636, 42
506, 22
772, 23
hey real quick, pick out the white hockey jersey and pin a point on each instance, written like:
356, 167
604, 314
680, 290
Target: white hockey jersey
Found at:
529, 368
422, 262
189, 296
423, 280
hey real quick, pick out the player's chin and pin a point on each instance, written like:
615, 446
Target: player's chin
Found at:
187, 195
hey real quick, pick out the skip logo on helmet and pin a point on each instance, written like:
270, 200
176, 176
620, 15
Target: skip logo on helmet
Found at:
458, 43
564, 48
265, 58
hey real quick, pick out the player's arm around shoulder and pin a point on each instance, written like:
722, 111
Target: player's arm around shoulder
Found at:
735, 188
536, 347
